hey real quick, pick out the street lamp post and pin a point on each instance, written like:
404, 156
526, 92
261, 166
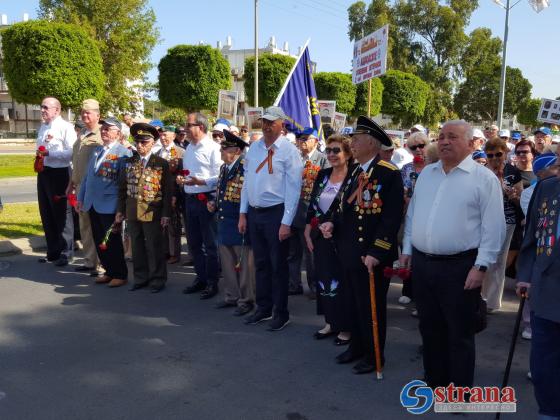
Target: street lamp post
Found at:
256, 86
504, 56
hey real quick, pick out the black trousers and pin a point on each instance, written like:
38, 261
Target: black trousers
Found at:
447, 318
271, 260
112, 259
148, 252
357, 278
299, 250
51, 182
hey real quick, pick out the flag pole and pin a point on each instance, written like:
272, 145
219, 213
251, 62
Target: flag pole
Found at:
369, 99
277, 101
256, 78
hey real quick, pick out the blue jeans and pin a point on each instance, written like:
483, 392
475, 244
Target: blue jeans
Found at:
545, 364
201, 236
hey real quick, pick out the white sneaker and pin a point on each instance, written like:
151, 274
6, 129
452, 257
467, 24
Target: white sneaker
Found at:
414, 313
526, 334
529, 376
404, 300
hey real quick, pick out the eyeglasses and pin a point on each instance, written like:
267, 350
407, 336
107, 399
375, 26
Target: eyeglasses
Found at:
417, 146
302, 138
189, 125
217, 135
244, 131
335, 150
492, 155
522, 152
47, 107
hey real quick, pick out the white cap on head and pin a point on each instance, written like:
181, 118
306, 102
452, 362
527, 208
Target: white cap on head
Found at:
504, 133
556, 139
220, 127
233, 128
477, 133
418, 127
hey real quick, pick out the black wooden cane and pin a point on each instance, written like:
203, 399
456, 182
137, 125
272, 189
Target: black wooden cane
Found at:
513, 341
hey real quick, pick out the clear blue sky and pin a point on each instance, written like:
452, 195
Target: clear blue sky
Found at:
532, 47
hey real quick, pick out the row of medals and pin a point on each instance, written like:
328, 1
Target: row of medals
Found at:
151, 183
233, 189
547, 232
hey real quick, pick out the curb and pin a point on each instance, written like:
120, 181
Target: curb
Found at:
22, 245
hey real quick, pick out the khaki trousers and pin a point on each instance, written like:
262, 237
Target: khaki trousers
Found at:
89, 251
238, 287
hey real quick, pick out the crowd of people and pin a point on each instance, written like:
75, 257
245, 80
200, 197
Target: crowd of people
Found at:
446, 213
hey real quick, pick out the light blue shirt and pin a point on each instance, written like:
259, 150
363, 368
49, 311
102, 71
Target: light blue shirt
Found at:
263, 189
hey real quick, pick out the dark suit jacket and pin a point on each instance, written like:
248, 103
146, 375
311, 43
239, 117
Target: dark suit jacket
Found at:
135, 184
313, 209
358, 233
539, 257
228, 196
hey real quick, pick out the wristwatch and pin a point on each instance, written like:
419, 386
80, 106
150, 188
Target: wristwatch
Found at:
482, 268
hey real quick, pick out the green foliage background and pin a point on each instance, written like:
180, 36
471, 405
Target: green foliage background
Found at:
51, 59
273, 71
404, 96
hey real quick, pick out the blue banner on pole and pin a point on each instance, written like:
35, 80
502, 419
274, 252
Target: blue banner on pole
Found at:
298, 97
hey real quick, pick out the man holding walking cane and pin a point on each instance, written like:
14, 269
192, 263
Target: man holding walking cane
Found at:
365, 231
539, 273
454, 230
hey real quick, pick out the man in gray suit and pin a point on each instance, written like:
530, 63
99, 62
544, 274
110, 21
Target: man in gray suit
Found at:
539, 272
313, 161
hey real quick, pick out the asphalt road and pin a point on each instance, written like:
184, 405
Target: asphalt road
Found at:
17, 190
70, 349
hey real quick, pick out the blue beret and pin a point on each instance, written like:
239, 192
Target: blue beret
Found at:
544, 161
479, 154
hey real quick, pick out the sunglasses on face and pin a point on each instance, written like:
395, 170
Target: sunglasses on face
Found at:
217, 135
244, 131
522, 152
417, 146
189, 125
335, 150
492, 155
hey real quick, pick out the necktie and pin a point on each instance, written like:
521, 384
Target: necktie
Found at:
143, 164
268, 160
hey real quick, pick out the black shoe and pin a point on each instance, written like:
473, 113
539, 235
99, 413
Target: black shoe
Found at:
197, 286
137, 286
61, 262
223, 305
362, 367
318, 335
243, 309
188, 264
278, 323
347, 357
341, 341
295, 292
209, 292
257, 317
94, 273
46, 260
157, 289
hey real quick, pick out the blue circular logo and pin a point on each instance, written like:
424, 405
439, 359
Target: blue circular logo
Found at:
417, 397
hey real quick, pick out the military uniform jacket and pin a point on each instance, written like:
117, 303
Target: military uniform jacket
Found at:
228, 199
367, 223
539, 257
175, 161
311, 168
145, 194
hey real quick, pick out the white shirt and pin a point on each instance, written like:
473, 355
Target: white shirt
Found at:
263, 189
525, 198
456, 212
57, 137
144, 159
401, 157
164, 152
203, 160
101, 157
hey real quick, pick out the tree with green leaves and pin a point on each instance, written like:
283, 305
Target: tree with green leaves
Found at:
477, 97
362, 91
125, 33
337, 87
191, 76
529, 111
273, 71
404, 97
51, 59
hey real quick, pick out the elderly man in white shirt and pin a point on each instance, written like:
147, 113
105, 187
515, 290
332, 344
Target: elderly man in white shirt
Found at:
202, 159
454, 230
55, 140
269, 200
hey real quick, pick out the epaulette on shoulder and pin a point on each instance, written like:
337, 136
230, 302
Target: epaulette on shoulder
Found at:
387, 165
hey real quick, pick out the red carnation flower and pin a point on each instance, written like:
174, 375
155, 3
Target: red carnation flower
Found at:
72, 200
314, 222
103, 246
388, 272
202, 197
185, 172
42, 148
418, 159
404, 273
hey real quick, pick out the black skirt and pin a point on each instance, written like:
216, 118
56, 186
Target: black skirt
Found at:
333, 298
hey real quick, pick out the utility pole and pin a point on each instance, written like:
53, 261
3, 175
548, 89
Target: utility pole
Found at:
256, 100
504, 64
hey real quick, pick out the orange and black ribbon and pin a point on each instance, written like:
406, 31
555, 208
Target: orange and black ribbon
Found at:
363, 179
267, 160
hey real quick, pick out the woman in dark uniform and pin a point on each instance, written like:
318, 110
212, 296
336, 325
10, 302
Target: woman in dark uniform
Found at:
332, 294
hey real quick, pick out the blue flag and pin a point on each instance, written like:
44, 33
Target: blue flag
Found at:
298, 97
